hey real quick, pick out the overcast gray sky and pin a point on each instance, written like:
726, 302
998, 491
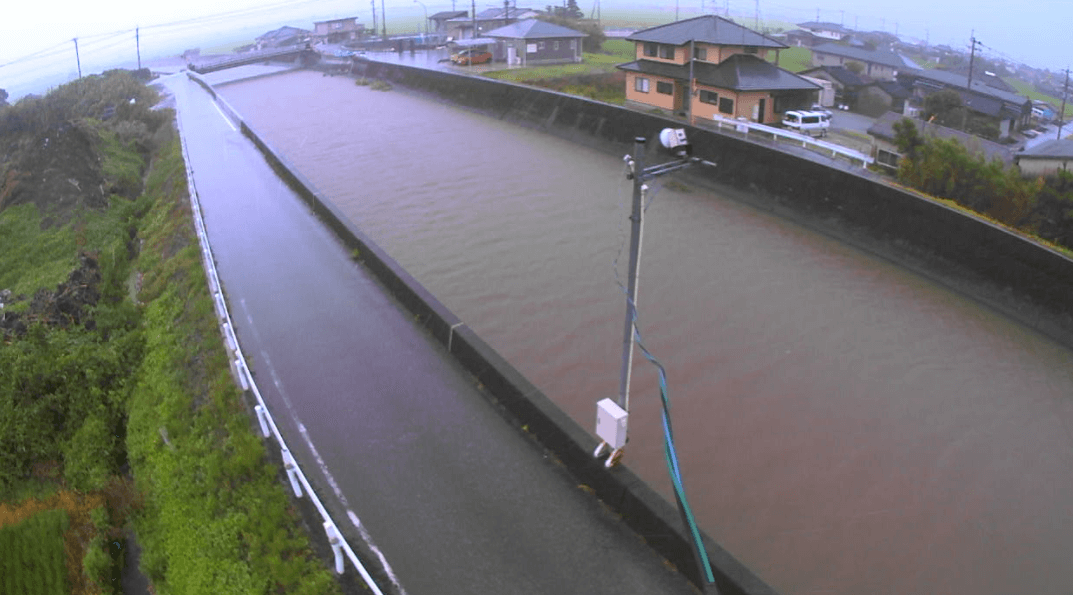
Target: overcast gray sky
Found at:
1035, 32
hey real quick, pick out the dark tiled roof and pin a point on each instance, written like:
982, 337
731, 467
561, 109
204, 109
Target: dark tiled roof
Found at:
492, 14
886, 58
534, 29
449, 14
894, 89
815, 25
1052, 149
844, 76
950, 79
740, 72
705, 29
884, 129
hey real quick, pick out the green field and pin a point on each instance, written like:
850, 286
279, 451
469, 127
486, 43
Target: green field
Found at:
31, 555
794, 59
1026, 89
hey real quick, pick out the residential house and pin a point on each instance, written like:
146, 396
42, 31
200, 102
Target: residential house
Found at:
879, 97
282, 37
846, 83
802, 39
532, 41
439, 20
878, 64
886, 153
1046, 159
827, 31
1009, 111
337, 30
709, 66
462, 27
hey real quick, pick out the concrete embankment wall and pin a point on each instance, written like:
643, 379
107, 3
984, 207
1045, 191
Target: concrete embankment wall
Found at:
644, 510
1018, 277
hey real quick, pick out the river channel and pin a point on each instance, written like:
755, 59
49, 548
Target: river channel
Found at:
844, 425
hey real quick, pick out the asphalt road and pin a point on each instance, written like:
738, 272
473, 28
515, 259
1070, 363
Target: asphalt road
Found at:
389, 429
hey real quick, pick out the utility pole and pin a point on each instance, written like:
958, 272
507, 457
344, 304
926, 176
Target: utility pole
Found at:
972, 58
138, 45
383, 18
78, 60
842, 23
1062, 114
373, 2
474, 20
756, 25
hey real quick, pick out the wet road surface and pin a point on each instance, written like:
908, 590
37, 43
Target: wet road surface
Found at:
457, 500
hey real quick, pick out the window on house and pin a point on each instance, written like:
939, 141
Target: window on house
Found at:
640, 84
651, 49
555, 45
666, 52
337, 25
541, 45
700, 53
751, 50
726, 105
573, 44
709, 97
665, 88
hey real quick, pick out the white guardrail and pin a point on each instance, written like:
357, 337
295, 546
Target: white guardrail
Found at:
777, 133
298, 480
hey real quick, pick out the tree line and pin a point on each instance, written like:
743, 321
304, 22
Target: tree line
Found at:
1042, 207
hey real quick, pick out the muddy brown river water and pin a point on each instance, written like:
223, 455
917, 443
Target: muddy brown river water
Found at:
844, 425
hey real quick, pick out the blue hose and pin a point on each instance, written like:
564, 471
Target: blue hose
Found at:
671, 456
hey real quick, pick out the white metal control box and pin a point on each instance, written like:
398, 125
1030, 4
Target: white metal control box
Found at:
611, 423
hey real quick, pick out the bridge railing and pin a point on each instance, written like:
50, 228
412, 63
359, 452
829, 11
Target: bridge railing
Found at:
299, 483
777, 134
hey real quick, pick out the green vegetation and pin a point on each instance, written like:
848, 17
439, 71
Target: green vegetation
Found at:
794, 59
32, 560
596, 77
117, 359
947, 109
945, 169
615, 51
1026, 89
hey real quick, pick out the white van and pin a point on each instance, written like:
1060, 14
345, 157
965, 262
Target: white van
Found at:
806, 122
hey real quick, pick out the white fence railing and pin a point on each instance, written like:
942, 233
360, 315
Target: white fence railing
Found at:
297, 478
806, 141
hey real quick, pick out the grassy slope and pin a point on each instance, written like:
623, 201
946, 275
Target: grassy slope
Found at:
216, 519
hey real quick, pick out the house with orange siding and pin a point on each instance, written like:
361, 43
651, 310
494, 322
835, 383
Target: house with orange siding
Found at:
710, 66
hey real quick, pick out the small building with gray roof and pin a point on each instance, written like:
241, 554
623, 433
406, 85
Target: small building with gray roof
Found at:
1046, 159
531, 42
878, 64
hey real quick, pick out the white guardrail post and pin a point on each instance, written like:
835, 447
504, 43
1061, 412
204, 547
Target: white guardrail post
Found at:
299, 483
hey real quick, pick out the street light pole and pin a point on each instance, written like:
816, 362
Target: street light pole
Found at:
426, 14
612, 415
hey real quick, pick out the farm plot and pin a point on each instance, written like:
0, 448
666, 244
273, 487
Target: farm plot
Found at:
31, 555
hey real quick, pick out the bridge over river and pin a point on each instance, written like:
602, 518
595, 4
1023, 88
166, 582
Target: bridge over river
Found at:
844, 425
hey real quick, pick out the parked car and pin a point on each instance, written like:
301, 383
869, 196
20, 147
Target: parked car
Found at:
807, 122
819, 108
472, 56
